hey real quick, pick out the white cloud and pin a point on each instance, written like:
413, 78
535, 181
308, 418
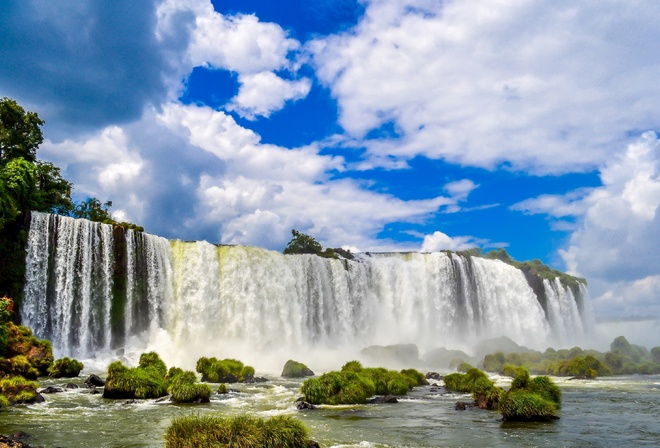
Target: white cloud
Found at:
615, 239
549, 87
439, 241
265, 92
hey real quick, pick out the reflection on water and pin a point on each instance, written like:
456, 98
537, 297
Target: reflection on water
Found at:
615, 411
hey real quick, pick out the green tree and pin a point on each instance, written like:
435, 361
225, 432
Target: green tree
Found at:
93, 210
303, 244
20, 132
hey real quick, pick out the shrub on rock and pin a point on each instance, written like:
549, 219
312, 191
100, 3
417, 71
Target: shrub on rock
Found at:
17, 389
224, 371
240, 431
138, 382
185, 389
65, 368
294, 369
530, 399
338, 388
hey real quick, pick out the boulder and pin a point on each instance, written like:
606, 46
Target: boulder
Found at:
433, 376
303, 406
94, 381
462, 405
294, 369
51, 390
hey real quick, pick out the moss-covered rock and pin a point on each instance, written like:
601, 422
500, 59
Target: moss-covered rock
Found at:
17, 389
65, 368
294, 369
206, 431
224, 371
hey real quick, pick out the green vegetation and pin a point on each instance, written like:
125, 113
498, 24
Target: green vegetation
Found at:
65, 368
294, 369
222, 389
476, 382
185, 389
623, 358
151, 379
27, 183
354, 384
302, 243
240, 432
17, 389
530, 399
537, 268
338, 388
224, 371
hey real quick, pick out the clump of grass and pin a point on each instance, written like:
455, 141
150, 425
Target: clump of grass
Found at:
65, 368
222, 388
224, 371
338, 388
138, 382
185, 389
415, 377
17, 389
4, 402
295, 369
152, 361
240, 432
530, 398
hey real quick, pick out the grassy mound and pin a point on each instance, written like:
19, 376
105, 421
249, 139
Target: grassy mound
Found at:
65, 368
145, 381
224, 371
185, 389
17, 389
338, 388
476, 382
241, 431
294, 369
530, 399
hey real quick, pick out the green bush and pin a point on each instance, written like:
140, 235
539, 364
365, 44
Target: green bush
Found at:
222, 388
224, 371
352, 366
463, 382
530, 398
138, 382
494, 362
65, 368
520, 405
655, 352
239, 432
511, 370
152, 361
294, 369
185, 389
338, 388
4, 401
17, 389
464, 367
415, 378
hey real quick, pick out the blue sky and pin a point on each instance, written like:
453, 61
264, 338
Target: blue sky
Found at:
377, 125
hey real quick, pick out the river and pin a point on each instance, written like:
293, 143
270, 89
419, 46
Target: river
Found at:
611, 411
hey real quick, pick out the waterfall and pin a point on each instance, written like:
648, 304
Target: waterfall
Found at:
92, 289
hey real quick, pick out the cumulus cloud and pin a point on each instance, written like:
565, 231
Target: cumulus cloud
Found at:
615, 237
440, 241
514, 83
265, 92
190, 170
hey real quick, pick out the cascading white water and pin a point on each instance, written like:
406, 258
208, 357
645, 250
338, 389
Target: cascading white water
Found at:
194, 298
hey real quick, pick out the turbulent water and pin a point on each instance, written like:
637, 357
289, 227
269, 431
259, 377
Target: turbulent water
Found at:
608, 412
92, 290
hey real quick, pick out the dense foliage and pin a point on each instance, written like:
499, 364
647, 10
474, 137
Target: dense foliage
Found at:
530, 399
354, 384
224, 371
241, 431
302, 243
27, 183
65, 368
623, 358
